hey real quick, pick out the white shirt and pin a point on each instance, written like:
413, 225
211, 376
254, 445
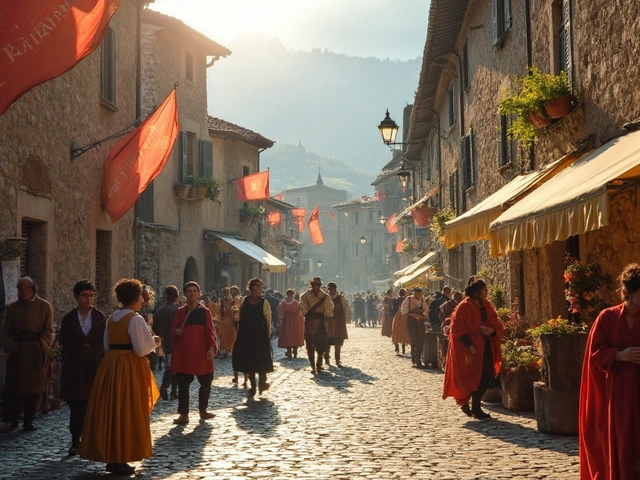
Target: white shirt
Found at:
411, 303
141, 338
86, 323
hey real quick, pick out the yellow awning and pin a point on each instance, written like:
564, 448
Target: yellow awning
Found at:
474, 223
268, 261
419, 203
429, 259
573, 202
418, 277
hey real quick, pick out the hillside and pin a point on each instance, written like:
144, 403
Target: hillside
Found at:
294, 166
331, 103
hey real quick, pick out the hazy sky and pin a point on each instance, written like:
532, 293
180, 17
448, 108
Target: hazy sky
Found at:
364, 28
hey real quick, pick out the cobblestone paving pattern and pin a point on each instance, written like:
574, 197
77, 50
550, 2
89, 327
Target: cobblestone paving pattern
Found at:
376, 419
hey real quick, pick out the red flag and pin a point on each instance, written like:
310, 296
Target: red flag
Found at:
298, 214
253, 187
332, 215
420, 216
273, 219
392, 227
280, 196
138, 158
44, 39
314, 226
399, 246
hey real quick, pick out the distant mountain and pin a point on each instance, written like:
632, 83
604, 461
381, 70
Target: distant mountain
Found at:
331, 103
294, 166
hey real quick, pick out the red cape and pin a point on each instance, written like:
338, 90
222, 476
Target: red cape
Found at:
609, 415
190, 349
460, 379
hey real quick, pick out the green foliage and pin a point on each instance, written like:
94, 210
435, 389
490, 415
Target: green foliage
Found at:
583, 283
438, 221
196, 181
557, 326
516, 356
496, 295
252, 213
529, 96
517, 344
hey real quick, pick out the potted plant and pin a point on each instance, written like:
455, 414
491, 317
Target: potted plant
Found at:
583, 284
529, 99
199, 185
250, 215
215, 188
562, 344
438, 220
182, 190
408, 246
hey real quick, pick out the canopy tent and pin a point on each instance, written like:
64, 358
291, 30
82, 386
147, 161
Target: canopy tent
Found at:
474, 224
429, 259
381, 286
268, 261
573, 202
419, 203
417, 272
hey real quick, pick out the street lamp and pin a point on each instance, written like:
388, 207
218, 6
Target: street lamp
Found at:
403, 174
319, 263
388, 130
383, 220
363, 240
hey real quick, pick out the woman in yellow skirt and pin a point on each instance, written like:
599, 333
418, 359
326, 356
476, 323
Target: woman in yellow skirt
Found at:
117, 428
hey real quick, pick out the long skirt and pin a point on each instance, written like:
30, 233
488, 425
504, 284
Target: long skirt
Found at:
117, 426
228, 333
399, 332
291, 331
387, 321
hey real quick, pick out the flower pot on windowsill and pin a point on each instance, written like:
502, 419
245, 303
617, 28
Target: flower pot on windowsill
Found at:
200, 193
559, 107
182, 190
538, 120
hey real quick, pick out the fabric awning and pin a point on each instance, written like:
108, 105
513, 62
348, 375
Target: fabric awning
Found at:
268, 261
418, 277
573, 202
429, 259
474, 223
407, 211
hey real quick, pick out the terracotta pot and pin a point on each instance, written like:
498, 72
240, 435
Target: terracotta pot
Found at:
559, 107
182, 191
539, 121
201, 192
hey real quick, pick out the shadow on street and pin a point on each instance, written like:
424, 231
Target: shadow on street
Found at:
257, 416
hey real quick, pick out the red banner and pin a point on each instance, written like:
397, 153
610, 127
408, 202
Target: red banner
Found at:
399, 246
138, 158
273, 218
298, 214
420, 216
392, 227
253, 187
44, 39
314, 226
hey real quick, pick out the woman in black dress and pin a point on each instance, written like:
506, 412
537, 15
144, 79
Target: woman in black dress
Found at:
252, 350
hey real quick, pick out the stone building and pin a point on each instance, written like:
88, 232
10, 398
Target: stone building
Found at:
324, 254
472, 50
183, 239
51, 198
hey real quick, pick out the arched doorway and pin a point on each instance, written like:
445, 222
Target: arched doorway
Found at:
190, 271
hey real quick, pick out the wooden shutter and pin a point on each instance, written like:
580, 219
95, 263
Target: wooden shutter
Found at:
495, 21
567, 53
466, 162
183, 155
506, 8
206, 158
472, 158
145, 209
428, 160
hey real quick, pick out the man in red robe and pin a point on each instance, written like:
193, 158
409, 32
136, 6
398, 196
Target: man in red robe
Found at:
195, 346
609, 415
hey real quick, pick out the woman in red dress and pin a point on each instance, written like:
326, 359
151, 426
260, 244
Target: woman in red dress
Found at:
291, 334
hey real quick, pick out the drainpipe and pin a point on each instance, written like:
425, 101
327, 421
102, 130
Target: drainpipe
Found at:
136, 232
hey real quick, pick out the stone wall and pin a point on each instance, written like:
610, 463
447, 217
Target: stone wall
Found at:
61, 197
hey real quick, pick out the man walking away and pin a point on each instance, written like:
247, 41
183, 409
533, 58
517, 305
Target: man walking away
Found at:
162, 321
317, 307
415, 308
337, 323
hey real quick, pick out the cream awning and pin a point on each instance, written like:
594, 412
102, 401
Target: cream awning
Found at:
268, 261
419, 203
474, 224
573, 202
414, 274
429, 259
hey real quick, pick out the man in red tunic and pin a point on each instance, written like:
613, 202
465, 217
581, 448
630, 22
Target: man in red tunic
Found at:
609, 415
194, 348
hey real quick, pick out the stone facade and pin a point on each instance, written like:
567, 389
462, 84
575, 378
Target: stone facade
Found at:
54, 200
308, 197
601, 35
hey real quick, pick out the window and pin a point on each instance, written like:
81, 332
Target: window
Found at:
108, 67
103, 264
452, 105
467, 161
356, 218
206, 158
427, 161
506, 146
370, 216
564, 44
245, 171
473, 253
466, 73
144, 208
453, 191
189, 69
354, 248
33, 261
189, 162
501, 21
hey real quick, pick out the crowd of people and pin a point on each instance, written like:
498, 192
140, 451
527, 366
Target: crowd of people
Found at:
110, 389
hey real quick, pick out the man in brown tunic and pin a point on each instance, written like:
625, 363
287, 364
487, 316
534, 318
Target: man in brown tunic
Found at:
337, 332
28, 339
317, 308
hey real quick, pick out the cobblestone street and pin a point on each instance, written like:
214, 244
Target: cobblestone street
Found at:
376, 419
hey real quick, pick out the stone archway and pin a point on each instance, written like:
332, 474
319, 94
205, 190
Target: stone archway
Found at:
190, 271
